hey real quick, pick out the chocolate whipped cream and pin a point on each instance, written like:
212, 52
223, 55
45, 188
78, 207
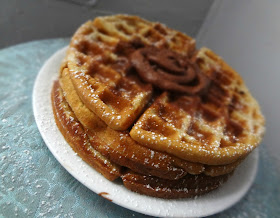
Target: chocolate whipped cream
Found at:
168, 70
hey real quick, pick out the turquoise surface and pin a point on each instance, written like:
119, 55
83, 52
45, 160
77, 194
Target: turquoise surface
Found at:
34, 184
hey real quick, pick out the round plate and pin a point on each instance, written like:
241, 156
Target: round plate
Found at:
211, 203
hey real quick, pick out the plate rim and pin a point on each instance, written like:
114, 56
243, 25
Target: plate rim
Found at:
54, 62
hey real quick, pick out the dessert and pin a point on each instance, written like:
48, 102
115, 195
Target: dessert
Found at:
137, 100
74, 134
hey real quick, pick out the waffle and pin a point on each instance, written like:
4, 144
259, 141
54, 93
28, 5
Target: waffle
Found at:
221, 127
98, 68
83, 114
215, 128
161, 112
186, 187
74, 134
120, 148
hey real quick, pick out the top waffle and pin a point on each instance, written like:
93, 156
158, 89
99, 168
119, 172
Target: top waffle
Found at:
98, 65
190, 102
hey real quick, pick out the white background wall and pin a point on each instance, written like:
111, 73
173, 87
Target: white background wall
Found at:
26, 20
246, 34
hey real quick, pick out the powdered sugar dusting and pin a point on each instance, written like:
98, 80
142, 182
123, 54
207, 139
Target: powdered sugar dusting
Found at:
211, 203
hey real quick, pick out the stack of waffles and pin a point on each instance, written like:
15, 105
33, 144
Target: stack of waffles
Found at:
137, 100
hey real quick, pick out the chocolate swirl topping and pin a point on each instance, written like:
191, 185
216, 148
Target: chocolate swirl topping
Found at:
169, 70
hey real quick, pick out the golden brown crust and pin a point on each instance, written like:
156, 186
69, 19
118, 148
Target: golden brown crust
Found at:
92, 55
121, 149
83, 114
74, 134
206, 125
218, 170
186, 187
217, 128
227, 123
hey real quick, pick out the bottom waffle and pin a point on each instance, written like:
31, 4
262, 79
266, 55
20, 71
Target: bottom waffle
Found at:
188, 186
75, 134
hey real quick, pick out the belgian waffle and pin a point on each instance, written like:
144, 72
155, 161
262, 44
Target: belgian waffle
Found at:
120, 148
218, 127
148, 101
118, 145
98, 68
186, 186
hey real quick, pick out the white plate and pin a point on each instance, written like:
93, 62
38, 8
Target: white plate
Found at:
208, 204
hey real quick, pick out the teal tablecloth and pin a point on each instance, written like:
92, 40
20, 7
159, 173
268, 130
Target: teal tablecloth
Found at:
34, 184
